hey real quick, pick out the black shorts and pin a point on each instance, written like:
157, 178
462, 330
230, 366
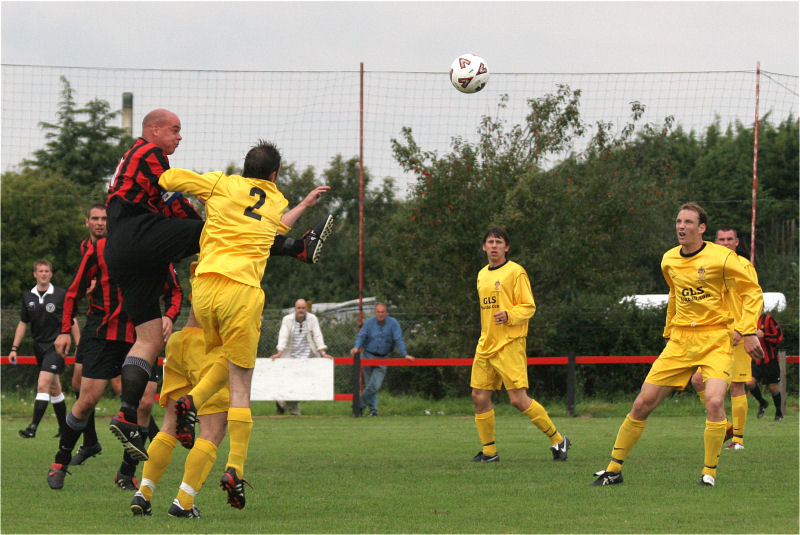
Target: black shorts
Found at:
767, 372
138, 252
103, 358
155, 372
48, 359
88, 337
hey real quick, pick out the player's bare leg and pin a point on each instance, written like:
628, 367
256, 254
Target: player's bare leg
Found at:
485, 423
240, 424
135, 375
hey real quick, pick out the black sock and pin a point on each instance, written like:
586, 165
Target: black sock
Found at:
134, 382
757, 394
70, 434
776, 398
283, 246
152, 428
90, 432
39, 408
60, 408
128, 466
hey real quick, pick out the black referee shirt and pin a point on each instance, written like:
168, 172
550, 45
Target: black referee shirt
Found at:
43, 314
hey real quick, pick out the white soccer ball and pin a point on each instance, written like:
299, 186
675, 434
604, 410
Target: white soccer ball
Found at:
469, 73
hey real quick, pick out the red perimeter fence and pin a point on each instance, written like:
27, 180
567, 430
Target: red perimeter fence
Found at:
570, 361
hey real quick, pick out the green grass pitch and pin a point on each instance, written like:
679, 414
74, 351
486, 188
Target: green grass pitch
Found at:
411, 474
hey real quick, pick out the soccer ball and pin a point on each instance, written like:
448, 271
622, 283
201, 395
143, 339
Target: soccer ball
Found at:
469, 73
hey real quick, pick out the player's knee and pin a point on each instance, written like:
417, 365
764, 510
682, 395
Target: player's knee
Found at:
147, 402
215, 433
642, 407
697, 381
83, 406
737, 389
482, 399
715, 404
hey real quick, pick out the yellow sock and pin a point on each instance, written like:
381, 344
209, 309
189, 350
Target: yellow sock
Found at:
739, 417
702, 396
540, 419
198, 464
215, 378
240, 422
159, 453
485, 424
713, 437
627, 437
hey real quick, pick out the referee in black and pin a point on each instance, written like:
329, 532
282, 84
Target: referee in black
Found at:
42, 308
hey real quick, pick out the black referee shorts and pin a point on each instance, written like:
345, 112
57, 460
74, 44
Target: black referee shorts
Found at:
138, 252
49, 359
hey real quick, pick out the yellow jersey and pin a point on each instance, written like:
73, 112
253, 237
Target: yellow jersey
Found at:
505, 287
704, 288
242, 217
736, 299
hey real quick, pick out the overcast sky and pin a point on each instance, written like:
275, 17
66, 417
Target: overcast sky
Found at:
533, 37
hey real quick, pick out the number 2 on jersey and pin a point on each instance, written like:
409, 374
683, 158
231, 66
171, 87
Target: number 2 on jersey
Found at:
262, 196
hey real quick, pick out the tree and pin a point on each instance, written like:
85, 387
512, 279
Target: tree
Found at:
336, 278
84, 151
722, 179
437, 249
42, 217
43, 205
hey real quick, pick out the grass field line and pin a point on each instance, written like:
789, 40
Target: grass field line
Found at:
411, 474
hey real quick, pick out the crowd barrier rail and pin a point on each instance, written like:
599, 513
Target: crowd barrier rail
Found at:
570, 360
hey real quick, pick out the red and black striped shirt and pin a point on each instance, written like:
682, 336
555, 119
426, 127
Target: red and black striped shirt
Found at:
173, 295
93, 267
115, 324
95, 292
135, 184
773, 336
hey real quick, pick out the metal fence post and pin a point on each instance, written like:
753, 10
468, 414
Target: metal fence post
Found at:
571, 384
782, 385
357, 385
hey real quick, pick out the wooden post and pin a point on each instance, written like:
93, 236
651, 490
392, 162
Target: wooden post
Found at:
357, 385
127, 112
571, 384
782, 384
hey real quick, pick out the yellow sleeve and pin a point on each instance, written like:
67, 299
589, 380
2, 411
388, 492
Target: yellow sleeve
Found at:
524, 306
744, 283
186, 181
670, 303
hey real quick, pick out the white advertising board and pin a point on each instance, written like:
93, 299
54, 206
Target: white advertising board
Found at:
292, 380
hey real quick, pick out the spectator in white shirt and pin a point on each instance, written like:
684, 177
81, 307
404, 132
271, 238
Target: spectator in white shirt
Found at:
300, 337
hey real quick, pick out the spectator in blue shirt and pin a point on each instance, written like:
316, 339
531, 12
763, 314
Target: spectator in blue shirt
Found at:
376, 339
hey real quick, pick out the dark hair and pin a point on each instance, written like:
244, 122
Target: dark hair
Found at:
261, 161
702, 217
497, 232
728, 228
42, 262
95, 206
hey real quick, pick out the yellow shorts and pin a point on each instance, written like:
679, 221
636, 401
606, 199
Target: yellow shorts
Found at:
507, 367
708, 349
742, 364
230, 313
184, 366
